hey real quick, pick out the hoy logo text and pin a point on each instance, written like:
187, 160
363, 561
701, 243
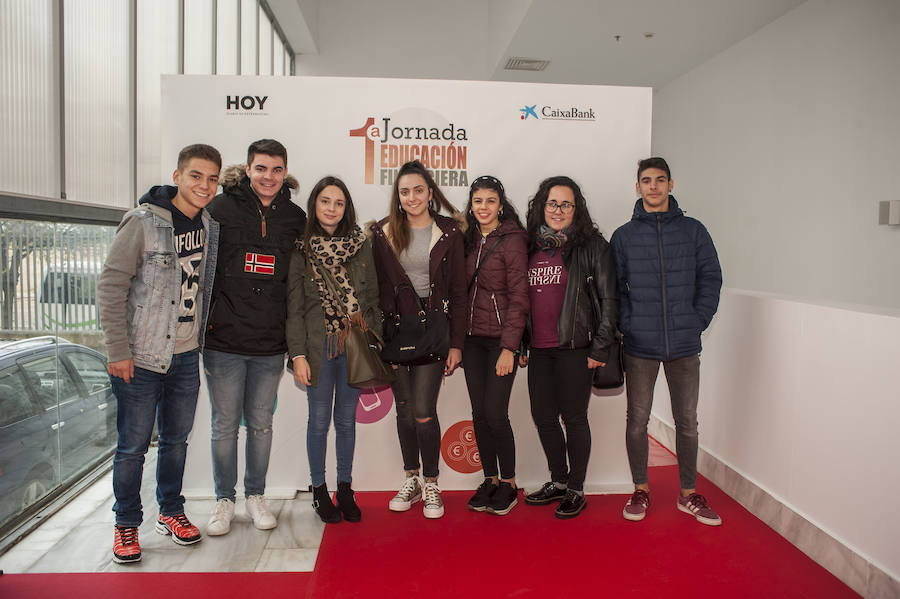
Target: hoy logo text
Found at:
245, 102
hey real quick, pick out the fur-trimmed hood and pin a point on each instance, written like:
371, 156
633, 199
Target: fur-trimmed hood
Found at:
232, 175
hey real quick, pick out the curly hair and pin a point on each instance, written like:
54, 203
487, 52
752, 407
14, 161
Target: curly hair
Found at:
582, 227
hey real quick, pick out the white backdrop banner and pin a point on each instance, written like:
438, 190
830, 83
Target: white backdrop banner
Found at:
362, 130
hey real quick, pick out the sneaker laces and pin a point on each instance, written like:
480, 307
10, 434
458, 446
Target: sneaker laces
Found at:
408, 488
127, 535
182, 520
221, 507
432, 494
641, 497
697, 500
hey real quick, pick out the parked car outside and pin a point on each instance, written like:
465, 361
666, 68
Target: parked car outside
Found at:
57, 417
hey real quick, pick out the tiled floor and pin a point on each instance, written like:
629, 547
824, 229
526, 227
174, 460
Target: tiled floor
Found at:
79, 537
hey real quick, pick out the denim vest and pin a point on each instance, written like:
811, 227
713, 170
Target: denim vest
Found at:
155, 292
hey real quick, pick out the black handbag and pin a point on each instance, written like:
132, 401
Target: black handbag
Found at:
421, 337
365, 368
611, 376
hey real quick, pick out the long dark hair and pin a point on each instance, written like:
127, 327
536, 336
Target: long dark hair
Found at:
507, 211
314, 227
582, 227
398, 224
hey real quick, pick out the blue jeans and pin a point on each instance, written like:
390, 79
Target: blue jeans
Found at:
332, 390
241, 386
171, 400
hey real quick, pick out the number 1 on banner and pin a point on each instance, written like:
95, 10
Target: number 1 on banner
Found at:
370, 149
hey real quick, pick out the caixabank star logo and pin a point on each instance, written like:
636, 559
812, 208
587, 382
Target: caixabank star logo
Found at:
549, 112
441, 145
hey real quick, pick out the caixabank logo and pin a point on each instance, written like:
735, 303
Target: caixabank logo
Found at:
549, 112
246, 105
441, 145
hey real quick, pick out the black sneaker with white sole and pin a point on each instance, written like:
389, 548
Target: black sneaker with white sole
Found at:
482, 497
505, 498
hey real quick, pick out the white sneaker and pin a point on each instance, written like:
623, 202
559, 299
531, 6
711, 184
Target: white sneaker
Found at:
220, 518
409, 493
434, 506
257, 510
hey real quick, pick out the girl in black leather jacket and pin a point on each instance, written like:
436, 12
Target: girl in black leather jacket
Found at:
566, 338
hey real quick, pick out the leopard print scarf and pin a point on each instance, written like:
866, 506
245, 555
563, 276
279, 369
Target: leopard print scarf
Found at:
332, 254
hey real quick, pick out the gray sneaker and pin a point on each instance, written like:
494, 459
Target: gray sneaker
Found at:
637, 505
695, 505
409, 493
434, 505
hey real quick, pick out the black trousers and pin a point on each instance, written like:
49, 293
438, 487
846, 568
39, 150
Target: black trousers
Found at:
416, 392
489, 395
559, 385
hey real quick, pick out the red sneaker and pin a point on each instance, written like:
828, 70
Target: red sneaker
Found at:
126, 548
695, 505
181, 529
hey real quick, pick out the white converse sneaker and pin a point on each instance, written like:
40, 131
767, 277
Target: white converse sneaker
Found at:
434, 506
220, 518
262, 517
409, 493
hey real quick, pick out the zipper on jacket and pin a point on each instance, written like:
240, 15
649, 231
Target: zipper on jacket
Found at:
262, 218
575, 312
475, 284
662, 276
496, 311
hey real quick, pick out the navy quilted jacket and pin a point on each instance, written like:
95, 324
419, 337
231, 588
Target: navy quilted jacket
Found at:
669, 282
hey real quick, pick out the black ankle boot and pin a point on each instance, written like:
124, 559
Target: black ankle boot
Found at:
347, 504
322, 502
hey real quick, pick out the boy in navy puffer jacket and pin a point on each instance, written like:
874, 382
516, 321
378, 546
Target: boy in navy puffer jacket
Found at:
669, 284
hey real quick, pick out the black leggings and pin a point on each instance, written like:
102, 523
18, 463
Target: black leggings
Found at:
489, 395
416, 392
559, 384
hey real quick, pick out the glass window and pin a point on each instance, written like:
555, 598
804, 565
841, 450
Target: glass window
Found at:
157, 54
91, 369
265, 43
98, 155
198, 41
227, 55
278, 50
15, 401
29, 111
249, 32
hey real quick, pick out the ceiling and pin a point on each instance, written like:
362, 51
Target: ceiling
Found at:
472, 39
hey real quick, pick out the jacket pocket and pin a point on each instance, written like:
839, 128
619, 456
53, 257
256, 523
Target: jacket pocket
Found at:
156, 268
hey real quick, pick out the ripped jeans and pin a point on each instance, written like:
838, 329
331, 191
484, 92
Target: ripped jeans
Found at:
415, 393
241, 386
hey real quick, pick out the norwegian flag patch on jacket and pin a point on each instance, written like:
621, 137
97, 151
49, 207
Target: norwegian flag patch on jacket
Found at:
263, 264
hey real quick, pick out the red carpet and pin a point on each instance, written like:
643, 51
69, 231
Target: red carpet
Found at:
530, 553
131, 585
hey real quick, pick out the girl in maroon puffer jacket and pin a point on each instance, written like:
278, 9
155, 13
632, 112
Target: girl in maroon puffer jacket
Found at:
497, 307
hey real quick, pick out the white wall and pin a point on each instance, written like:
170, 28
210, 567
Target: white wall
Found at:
783, 145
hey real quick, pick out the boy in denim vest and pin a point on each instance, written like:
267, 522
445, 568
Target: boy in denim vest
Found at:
153, 298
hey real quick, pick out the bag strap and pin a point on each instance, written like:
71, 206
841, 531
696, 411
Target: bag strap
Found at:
335, 290
481, 261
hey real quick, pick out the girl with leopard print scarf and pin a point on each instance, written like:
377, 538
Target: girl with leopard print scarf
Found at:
332, 281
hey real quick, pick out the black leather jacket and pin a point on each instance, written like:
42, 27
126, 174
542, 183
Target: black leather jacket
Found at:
578, 324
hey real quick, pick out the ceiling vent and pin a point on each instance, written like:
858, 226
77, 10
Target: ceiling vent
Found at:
526, 64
